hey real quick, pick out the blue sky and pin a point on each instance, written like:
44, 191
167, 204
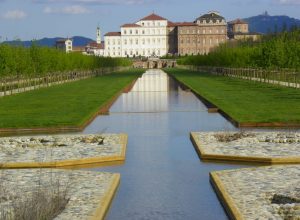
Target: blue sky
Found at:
29, 19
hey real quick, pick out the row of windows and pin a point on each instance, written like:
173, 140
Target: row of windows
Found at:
210, 21
193, 51
136, 53
144, 52
153, 23
148, 31
137, 41
204, 31
199, 41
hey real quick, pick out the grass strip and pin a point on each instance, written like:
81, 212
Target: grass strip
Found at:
244, 101
70, 104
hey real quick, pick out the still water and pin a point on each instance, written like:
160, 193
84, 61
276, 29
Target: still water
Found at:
162, 177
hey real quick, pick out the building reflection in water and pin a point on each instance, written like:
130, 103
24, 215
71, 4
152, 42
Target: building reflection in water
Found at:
149, 94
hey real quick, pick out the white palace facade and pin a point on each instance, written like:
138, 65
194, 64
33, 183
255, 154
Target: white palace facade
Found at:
155, 36
147, 37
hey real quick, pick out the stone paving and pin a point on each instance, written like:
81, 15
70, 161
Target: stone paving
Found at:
274, 145
271, 193
41, 149
87, 191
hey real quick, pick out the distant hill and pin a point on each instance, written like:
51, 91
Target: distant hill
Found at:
266, 23
50, 42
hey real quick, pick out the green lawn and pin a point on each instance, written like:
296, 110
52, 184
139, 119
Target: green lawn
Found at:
244, 101
70, 104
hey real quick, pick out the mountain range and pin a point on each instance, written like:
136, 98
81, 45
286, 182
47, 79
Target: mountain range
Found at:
263, 23
266, 23
50, 42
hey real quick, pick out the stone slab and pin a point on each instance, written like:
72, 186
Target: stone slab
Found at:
89, 193
61, 150
270, 193
257, 147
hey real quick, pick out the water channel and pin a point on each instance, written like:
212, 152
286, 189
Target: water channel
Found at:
162, 177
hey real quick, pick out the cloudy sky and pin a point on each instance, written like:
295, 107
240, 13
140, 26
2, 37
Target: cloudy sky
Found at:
34, 19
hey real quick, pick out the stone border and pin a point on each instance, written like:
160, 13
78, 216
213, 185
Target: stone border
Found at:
103, 110
103, 208
224, 197
68, 163
244, 159
212, 108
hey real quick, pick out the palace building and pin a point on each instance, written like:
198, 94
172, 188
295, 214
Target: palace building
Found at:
239, 30
202, 35
155, 36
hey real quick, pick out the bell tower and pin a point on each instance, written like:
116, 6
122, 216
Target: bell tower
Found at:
98, 39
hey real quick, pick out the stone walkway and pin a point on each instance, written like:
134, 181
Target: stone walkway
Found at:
271, 147
89, 193
51, 151
271, 193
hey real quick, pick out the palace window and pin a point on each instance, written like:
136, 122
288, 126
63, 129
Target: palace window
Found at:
130, 31
137, 32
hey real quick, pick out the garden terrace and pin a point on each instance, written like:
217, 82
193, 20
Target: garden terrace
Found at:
68, 106
245, 103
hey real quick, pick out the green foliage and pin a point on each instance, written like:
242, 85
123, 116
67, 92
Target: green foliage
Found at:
243, 100
279, 50
69, 104
18, 60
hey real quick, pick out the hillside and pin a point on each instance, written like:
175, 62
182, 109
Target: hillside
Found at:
50, 42
266, 23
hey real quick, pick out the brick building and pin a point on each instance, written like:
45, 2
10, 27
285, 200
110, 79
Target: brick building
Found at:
239, 30
202, 35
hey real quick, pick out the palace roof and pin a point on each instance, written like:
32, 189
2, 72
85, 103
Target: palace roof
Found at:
238, 21
113, 34
130, 25
211, 16
153, 17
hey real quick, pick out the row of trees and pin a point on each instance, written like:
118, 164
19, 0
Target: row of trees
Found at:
273, 51
33, 61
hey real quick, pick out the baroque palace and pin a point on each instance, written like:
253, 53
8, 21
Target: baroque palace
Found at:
156, 36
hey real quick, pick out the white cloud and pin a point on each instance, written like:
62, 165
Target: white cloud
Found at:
14, 15
73, 9
288, 2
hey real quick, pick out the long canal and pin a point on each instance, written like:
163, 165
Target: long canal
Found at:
162, 177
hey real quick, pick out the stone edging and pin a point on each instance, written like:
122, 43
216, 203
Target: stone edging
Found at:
212, 108
103, 208
103, 110
225, 198
245, 159
66, 163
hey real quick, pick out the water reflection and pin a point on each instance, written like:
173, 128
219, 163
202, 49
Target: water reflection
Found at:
162, 177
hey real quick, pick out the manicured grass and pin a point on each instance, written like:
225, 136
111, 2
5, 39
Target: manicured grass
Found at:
245, 101
70, 104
